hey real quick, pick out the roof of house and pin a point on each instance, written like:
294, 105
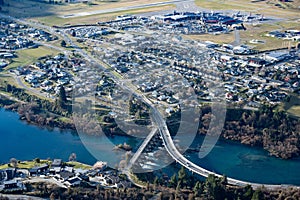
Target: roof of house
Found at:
66, 175
57, 162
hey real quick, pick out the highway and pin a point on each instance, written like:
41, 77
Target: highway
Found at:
179, 158
159, 121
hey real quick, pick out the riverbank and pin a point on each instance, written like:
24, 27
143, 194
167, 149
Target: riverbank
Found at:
270, 131
227, 157
268, 128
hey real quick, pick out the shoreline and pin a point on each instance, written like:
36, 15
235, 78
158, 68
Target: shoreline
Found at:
47, 120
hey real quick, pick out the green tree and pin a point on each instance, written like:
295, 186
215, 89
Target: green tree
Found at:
213, 188
63, 43
258, 195
37, 160
197, 189
248, 192
62, 98
173, 181
8, 88
178, 188
182, 176
74, 33
156, 180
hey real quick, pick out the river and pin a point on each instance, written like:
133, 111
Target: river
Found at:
25, 142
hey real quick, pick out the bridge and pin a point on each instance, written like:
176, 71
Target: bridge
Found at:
178, 157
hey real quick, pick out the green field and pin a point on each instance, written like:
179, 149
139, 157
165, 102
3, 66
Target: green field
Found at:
26, 164
29, 56
77, 165
262, 7
292, 106
56, 20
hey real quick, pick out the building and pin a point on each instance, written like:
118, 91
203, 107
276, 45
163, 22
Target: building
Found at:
10, 184
100, 165
72, 182
35, 171
56, 163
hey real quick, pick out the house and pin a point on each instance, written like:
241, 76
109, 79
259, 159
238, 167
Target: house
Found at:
8, 173
64, 175
256, 62
55, 170
2, 175
100, 165
110, 180
38, 170
72, 182
56, 163
276, 56
124, 184
10, 184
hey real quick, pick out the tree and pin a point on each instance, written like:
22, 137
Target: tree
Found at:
37, 160
8, 88
248, 192
156, 181
62, 98
52, 196
213, 188
191, 196
182, 176
14, 162
197, 189
257, 195
73, 157
178, 188
63, 43
173, 181
73, 33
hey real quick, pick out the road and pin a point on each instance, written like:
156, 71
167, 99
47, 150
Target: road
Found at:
20, 197
141, 148
179, 158
30, 89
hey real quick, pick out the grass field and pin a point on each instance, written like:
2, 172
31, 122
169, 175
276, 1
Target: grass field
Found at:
253, 32
26, 164
32, 9
263, 7
222, 38
258, 32
292, 107
77, 165
29, 56
56, 20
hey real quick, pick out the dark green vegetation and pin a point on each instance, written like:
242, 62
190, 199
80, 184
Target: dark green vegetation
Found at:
35, 110
140, 111
269, 128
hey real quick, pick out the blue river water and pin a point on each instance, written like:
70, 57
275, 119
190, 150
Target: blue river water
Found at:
25, 142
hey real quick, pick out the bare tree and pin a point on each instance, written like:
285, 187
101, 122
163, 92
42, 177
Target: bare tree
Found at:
73, 157
14, 162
